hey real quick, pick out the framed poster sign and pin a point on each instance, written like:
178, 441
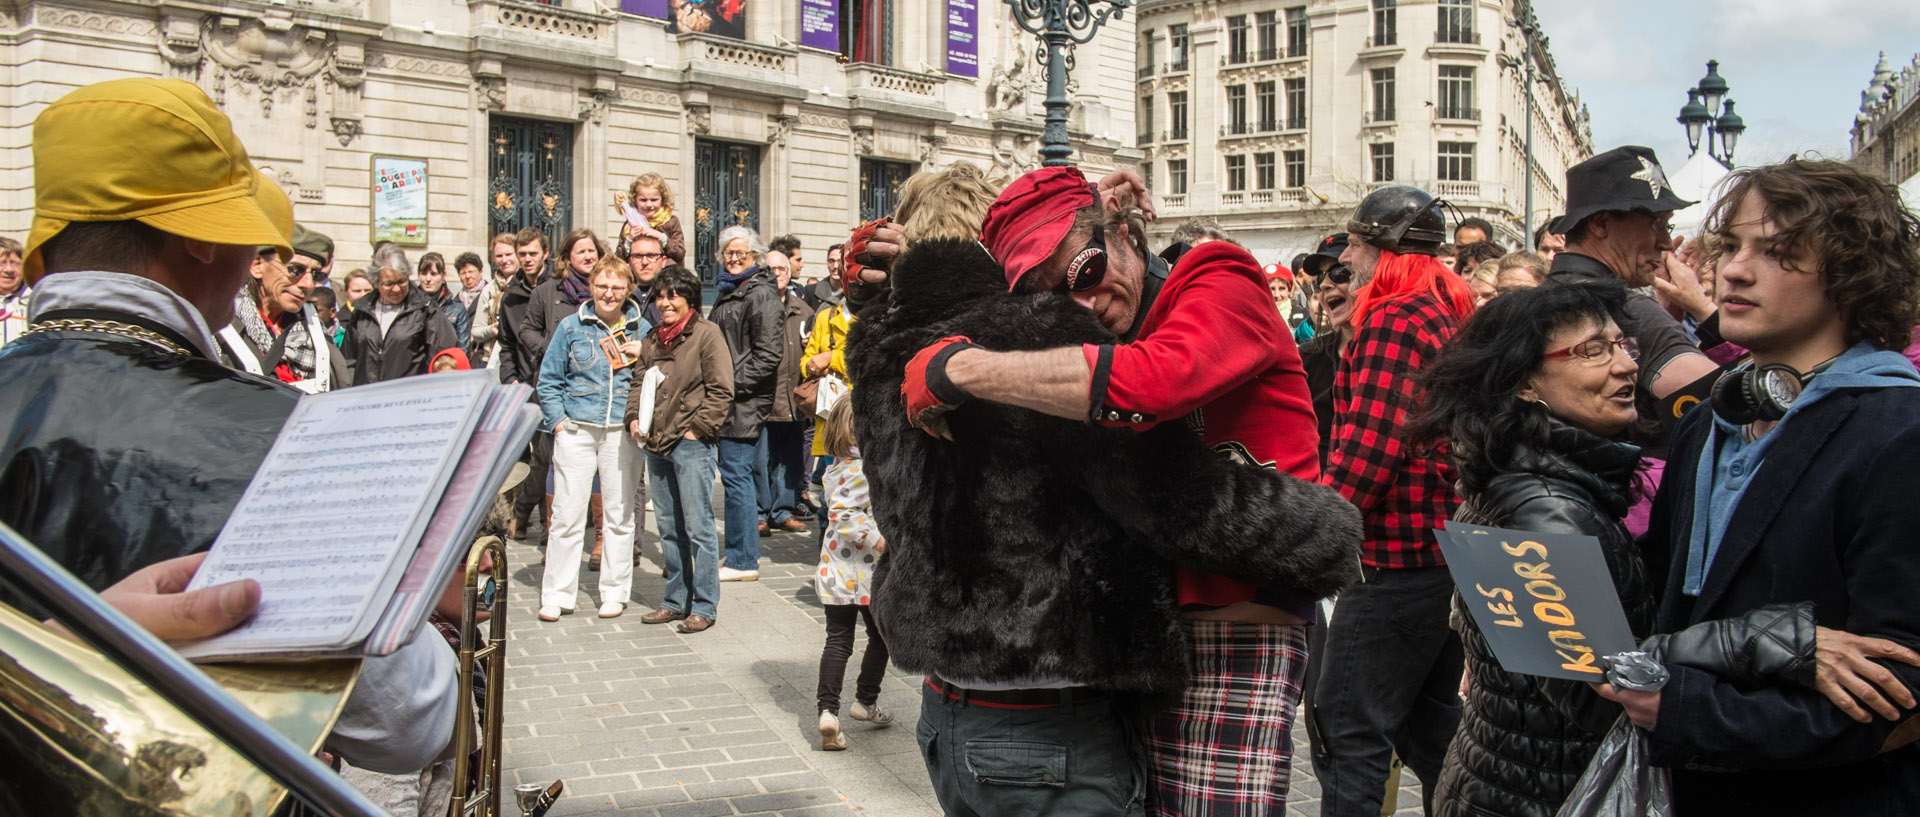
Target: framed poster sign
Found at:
400, 200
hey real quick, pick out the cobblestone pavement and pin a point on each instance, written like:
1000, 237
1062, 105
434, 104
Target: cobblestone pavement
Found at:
642, 721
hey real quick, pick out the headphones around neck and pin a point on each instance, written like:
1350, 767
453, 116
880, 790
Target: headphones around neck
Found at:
1760, 393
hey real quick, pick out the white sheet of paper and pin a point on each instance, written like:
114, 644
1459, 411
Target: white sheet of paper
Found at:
336, 509
649, 392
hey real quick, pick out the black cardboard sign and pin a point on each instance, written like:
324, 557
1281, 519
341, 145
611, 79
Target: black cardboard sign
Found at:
1544, 601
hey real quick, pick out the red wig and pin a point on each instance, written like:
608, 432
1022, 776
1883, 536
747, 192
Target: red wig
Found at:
1399, 274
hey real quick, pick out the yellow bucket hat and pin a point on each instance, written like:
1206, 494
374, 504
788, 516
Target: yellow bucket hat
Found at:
152, 150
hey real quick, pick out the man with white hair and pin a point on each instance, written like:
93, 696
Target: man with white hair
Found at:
749, 316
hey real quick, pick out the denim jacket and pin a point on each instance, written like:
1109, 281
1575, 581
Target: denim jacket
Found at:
577, 380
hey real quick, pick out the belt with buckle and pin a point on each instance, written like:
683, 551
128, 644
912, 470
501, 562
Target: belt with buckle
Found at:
1014, 698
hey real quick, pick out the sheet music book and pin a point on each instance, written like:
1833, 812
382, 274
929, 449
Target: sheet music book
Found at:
362, 510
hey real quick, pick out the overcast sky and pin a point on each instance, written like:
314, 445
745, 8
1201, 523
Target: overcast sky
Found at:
1796, 67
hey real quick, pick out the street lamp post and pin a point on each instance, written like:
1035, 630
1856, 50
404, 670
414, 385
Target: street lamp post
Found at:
1530, 29
1708, 117
1061, 24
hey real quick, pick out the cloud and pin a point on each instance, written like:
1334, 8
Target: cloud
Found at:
1799, 25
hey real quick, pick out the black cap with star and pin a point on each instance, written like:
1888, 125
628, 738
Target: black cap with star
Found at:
1625, 178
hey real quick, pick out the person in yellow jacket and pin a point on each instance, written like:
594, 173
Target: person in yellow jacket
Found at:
826, 353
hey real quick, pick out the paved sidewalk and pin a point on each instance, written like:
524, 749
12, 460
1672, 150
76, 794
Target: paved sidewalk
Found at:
643, 721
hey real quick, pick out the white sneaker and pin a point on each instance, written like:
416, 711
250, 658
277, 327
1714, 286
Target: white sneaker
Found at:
831, 738
553, 612
728, 574
872, 714
612, 609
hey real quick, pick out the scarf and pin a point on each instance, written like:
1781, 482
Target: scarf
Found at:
670, 334
574, 288
659, 217
725, 283
296, 360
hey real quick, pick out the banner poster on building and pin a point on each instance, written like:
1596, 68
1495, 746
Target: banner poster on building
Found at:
657, 9
963, 38
820, 24
400, 200
725, 18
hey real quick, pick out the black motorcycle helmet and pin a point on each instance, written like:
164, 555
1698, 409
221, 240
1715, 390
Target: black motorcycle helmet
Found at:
1400, 219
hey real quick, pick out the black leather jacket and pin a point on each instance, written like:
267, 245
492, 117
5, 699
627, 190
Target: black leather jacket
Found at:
1523, 740
115, 455
751, 318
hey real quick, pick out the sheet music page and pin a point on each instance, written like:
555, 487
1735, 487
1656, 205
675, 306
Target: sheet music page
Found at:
337, 508
489, 456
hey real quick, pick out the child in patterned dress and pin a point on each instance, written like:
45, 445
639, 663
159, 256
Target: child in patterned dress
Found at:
848, 553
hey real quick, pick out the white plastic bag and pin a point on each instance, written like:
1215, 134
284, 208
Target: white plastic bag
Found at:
832, 388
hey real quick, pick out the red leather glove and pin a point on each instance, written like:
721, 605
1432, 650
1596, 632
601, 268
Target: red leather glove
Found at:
927, 394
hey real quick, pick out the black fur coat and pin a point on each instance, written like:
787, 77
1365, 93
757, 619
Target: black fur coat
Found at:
1037, 547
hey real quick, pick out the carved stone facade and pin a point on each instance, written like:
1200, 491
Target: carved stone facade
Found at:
318, 88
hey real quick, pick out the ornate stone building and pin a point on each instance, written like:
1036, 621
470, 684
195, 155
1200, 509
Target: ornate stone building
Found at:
531, 113
1886, 132
1276, 118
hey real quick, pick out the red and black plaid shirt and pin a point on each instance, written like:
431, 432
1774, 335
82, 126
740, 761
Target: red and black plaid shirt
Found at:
1400, 496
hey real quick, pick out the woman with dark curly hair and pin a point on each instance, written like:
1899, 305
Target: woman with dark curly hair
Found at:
1529, 400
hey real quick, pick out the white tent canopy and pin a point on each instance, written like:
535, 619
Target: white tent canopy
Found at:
1700, 181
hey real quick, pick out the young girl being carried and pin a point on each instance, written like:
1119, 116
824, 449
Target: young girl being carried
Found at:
847, 557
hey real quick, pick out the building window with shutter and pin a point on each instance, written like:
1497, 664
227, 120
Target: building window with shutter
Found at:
1456, 93
1236, 109
1177, 114
1296, 164
1177, 177
1297, 31
1383, 94
1385, 23
1266, 26
1268, 103
1263, 171
1456, 22
1236, 173
1381, 154
1177, 48
1456, 161
1297, 103
1237, 39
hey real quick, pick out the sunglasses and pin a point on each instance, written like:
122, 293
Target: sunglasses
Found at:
1339, 274
1089, 267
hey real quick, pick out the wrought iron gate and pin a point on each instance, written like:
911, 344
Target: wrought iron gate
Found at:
880, 187
727, 179
530, 172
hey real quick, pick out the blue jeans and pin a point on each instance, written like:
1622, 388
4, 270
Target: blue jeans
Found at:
786, 457
1083, 760
682, 488
739, 458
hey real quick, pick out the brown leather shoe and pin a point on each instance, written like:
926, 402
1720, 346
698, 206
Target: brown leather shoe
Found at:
792, 526
516, 529
695, 624
662, 616
764, 530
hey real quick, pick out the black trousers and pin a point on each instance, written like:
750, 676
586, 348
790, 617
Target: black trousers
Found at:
833, 659
1389, 681
534, 488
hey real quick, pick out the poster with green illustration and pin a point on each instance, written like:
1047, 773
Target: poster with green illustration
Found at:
400, 200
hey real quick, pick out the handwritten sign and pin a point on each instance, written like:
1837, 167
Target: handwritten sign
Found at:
1544, 601
400, 201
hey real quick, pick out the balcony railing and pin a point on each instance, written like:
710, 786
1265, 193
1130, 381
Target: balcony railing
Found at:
1177, 66
1267, 54
1235, 129
1174, 200
1457, 36
1269, 125
1175, 135
1460, 114
1459, 190
1234, 58
1143, 71
1234, 199
1297, 123
1383, 40
1143, 138
1377, 117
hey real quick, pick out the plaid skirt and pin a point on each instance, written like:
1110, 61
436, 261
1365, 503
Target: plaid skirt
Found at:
1226, 749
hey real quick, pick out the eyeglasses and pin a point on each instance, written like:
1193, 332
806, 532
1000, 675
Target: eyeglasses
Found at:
1598, 351
298, 270
738, 254
647, 256
1089, 267
1339, 274
611, 289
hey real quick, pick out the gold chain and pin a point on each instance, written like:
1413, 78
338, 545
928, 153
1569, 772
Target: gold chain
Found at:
110, 328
